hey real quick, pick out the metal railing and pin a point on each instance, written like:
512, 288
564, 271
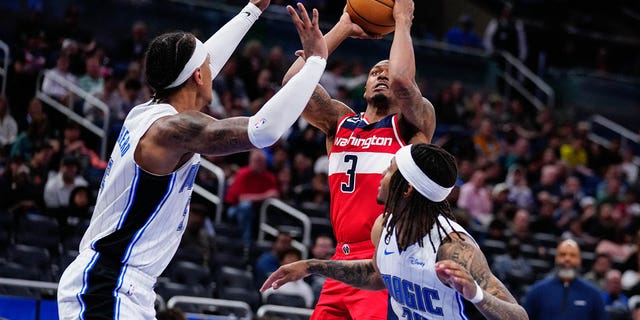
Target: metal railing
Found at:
68, 111
50, 286
29, 284
206, 194
443, 46
266, 309
214, 304
265, 228
103, 132
627, 137
540, 96
4, 68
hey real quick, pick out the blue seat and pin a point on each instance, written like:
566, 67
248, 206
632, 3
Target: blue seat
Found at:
17, 308
195, 275
167, 290
288, 300
38, 230
48, 310
18, 271
33, 258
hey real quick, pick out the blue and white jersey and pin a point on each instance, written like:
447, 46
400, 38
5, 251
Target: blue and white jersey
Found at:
140, 217
415, 292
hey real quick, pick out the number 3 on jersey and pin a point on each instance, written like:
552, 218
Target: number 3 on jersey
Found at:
348, 187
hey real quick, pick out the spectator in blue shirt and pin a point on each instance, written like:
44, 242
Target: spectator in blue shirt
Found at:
616, 303
565, 295
463, 35
269, 261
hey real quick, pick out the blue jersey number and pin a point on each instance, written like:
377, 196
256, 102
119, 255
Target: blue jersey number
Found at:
351, 173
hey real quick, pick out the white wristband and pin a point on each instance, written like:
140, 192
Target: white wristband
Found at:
479, 295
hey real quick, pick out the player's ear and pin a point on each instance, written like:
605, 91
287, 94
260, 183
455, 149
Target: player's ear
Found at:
197, 76
408, 192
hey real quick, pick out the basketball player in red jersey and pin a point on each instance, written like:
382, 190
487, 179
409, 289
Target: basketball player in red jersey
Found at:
360, 147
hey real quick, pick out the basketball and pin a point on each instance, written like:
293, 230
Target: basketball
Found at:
373, 16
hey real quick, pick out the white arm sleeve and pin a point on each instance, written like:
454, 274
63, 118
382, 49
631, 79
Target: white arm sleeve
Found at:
284, 108
225, 41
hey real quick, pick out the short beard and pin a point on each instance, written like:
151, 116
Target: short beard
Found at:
566, 273
380, 102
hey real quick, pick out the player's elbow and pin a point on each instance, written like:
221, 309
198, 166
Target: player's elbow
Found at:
401, 85
264, 140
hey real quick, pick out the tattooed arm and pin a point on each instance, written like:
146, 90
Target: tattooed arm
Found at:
415, 109
356, 273
460, 263
323, 112
169, 139
363, 274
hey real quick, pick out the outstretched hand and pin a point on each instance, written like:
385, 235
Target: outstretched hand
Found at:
454, 275
261, 4
287, 273
311, 37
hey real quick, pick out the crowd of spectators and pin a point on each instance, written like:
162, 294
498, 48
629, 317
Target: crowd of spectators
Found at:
523, 174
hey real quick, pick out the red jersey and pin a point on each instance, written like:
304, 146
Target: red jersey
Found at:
360, 152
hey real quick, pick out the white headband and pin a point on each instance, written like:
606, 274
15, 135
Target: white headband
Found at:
412, 173
197, 59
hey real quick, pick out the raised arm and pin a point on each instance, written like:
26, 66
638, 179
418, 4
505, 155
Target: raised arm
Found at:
323, 112
461, 264
225, 41
170, 138
414, 108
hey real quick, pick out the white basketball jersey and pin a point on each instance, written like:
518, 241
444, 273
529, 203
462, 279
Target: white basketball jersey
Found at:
140, 217
415, 292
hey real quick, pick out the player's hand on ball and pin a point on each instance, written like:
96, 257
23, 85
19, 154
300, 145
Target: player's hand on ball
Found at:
355, 31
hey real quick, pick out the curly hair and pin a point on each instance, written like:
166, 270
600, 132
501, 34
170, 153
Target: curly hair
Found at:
414, 216
166, 57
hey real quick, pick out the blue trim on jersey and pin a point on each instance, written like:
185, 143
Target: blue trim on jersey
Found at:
145, 200
460, 306
120, 280
358, 121
153, 215
85, 275
132, 195
135, 239
127, 207
390, 314
116, 313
